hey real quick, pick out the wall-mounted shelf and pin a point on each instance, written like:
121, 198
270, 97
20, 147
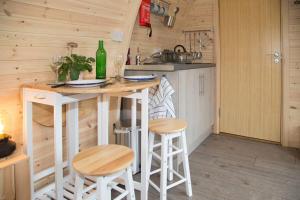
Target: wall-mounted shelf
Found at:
165, 2
196, 31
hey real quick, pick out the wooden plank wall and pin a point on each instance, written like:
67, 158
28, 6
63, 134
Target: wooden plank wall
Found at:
291, 55
193, 15
32, 32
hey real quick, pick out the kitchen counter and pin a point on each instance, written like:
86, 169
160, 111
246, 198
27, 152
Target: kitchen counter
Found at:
194, 96
168, 67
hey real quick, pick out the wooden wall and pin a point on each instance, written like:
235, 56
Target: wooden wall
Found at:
32, 32
193, 15
291, 73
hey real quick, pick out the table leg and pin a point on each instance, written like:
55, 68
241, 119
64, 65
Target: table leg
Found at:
28, 139
144, 145
58, 150
134, 136
73, 133
103, 119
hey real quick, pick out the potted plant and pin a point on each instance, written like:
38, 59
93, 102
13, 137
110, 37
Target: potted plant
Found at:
71, 66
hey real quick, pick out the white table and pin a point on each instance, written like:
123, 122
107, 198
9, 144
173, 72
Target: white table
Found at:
57, 97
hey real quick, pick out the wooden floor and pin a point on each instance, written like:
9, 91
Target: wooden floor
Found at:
226, 167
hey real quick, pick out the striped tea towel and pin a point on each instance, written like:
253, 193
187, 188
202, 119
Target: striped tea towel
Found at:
160, 101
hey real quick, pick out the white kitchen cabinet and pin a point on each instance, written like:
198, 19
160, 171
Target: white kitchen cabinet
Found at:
194, 100
196, 103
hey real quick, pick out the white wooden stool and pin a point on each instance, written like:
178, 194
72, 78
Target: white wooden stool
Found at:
105, 163
169, 129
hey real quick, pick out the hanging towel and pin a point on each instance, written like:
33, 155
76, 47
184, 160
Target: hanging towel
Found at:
160, 100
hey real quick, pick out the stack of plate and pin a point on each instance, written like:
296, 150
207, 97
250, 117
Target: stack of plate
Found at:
140, 78
86, 83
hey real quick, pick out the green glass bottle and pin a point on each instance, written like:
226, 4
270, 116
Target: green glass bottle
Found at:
101, 61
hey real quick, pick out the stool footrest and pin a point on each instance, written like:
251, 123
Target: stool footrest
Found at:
157, 145
156, 155
154, 185
122, 195
175, 152
155, 171
89, 188
182, 179
115, 186
176, 183
175, 147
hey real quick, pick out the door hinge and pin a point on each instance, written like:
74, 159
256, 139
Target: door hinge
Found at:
219, 112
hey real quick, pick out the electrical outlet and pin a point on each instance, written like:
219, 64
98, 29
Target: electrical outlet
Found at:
117, 36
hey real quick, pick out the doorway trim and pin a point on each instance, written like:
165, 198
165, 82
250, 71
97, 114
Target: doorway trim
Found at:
285, 73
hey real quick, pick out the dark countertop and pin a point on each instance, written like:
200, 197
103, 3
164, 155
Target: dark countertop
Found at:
168, 67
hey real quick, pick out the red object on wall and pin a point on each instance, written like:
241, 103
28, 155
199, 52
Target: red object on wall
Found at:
145, 15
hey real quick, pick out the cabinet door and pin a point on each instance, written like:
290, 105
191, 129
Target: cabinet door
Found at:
209, 94
206, 96
189, 105
196, 104
212, 89
204, 103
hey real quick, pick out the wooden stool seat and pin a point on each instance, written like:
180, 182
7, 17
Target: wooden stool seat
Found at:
103, 160
167, 126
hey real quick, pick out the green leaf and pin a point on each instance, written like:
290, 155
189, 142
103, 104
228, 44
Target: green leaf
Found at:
91, 60
63, 72
73, 65
68, 59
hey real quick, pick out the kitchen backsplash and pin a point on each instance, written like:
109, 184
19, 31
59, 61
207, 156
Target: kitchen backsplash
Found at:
166, 38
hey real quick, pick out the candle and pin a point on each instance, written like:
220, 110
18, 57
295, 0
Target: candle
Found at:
2, 135
2, 126
7, 146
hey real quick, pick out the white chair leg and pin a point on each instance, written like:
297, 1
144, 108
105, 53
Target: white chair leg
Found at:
151, 143
108, 193
101, 193
178, 157
186, 167
164, 167
129, 184
170, 160
78, 187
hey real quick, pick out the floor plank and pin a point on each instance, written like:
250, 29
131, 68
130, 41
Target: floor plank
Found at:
226, 167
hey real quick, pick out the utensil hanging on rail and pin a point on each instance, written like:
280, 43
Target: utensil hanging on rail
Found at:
169, 20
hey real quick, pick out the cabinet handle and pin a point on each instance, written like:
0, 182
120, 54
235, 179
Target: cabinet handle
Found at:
203, 85
200, 85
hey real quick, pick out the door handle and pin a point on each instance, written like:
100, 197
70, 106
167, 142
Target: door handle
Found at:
276, 56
